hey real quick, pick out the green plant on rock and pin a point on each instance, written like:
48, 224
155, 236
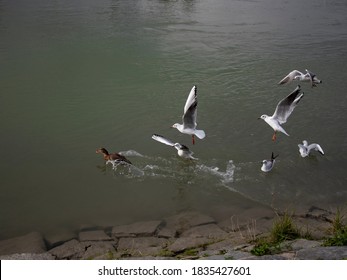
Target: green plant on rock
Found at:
339, 231
262, 248
284, 229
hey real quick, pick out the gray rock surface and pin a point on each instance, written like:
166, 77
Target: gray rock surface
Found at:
100, 251
186, 220
185, 243
136, 229
30, 243
28, 256
187, 235
59, 237
69, 250
322, 253
94, 235
208, 230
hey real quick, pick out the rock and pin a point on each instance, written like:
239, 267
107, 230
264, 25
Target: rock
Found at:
314, 227
225, 245
69, 250
95, 235
100, 251
140, 242
184, 221
323, 253
59, 237
30, 243
255, 220
209, 231
267, 257
299, 244
184, 243
167, 233
28, 256
320, 214
213, 257
237, 255
137, 229
142, 245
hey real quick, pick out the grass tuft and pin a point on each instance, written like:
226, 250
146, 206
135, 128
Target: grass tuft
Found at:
284, 229
339, 231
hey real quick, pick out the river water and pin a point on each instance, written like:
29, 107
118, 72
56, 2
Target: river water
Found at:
79, 75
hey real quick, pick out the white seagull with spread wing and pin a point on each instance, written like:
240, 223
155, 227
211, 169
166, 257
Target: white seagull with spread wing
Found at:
182, 150
189, 117
283, 110
305, 148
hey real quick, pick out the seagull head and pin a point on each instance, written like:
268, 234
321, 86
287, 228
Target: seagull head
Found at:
263, 117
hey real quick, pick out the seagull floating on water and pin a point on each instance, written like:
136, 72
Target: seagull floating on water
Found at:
189, 117
182, 150
305, 148
268, 164
113, 156
299, 76
283, 110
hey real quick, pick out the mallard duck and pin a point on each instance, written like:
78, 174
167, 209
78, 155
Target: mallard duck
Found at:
112, 156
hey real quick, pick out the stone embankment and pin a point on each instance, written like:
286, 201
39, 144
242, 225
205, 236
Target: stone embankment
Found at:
189, 235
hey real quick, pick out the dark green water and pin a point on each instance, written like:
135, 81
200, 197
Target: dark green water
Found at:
78, 75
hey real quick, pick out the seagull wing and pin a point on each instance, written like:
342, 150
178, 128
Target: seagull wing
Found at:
163, 140
290, 77
190, 109
191, 98
286, 106
316, 147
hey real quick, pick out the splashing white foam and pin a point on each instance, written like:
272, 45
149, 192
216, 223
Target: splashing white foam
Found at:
131, 153
225, 177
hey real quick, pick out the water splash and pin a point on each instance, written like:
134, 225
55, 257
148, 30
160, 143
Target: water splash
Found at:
226, 177
131, 153
173, 168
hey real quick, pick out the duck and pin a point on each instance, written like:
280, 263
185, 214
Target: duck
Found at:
113, 156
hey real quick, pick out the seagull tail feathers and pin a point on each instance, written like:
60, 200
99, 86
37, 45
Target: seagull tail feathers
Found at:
200, 134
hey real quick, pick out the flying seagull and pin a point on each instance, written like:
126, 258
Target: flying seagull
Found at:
299, 76
182, 150
267, 165
305, 148
283, 110
189, 117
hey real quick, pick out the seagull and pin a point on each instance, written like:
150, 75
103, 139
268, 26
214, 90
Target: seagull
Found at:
305, 148
313, 78
299, 76
268, 164
182, 150
189, 117
115, 157
283, 110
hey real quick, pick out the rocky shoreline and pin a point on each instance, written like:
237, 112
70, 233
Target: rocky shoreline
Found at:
187, 235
